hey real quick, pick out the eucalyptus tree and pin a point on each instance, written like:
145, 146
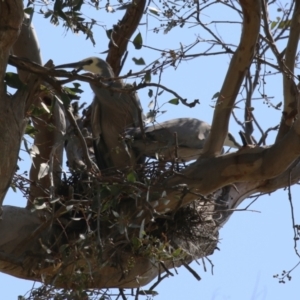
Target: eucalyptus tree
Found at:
107, 225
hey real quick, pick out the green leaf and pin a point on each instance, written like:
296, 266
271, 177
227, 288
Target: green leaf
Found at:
58, 9
138, 41
48, 14
44, 170
139, 61
131, 177
73, 91
151, 104
174, 101
216, 95
13, 187
108, 33
29, 10
77, 5
154, 10
177, 252
76, 85
124, 6
150, 93
13, 80
284, 24
147, 77
136, 243
273, 24
65, 99
37, 111
30, 130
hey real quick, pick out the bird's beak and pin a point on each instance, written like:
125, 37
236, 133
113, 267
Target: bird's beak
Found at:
78, 66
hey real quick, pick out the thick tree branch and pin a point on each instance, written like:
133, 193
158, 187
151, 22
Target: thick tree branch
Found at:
11, 113
239, 64
122, 33
50, 131
290, 91
247, 165
11, 16
27, 46
50, 126
286, 67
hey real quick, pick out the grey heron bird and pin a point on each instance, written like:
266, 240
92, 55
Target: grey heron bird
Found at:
160, 140
112, 113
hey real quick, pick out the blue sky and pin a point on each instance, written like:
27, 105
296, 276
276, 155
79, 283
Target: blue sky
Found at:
253, 245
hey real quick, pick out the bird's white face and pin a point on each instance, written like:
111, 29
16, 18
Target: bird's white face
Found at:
92, 67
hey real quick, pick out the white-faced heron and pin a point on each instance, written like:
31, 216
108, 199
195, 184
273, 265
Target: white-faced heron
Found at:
160, 141
113, 112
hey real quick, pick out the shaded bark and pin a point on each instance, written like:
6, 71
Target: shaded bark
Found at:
50, 126
122, 32
12, 119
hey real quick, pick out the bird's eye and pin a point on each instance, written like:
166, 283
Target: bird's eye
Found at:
89, 62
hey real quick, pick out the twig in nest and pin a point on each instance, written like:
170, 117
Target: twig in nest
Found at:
176, 150
159, 280
122, 294
165, 268
212, 265
98, 218
194, 273
184, 193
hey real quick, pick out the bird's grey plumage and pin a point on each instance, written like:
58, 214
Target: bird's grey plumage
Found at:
112, 113
160, 140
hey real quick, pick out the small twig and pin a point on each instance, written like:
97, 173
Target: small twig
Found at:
243, 138
182, 100
204, 265
257, 124
157, 88
263, 138
212, 265
246, 208
194, 273
292, 213
52, 156
136, 297
98, 218
176, 150
122, 294
238, 121
159, 280
247, 113
78, 133
123, 61
165, 269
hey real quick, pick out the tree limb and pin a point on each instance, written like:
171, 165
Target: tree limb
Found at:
122, 32
240, 62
